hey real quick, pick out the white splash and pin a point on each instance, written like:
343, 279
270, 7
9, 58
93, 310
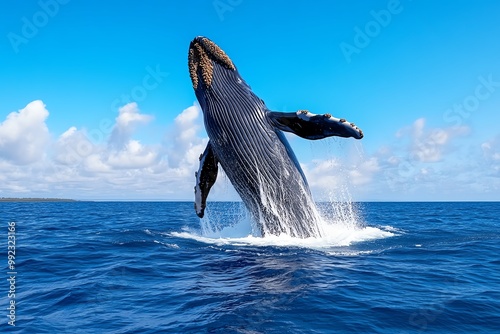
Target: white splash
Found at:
340, 224
336, 223
337, 236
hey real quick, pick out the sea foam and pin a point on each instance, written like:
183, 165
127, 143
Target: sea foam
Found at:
230, 224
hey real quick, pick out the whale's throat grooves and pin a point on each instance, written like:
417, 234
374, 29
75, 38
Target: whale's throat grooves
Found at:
256, 157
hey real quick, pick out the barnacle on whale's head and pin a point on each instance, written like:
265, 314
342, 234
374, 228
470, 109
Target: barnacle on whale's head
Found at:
203, 53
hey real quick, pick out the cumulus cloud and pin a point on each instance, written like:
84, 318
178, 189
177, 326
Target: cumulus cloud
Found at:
429, 145
72, 147
24, 134
334, 178
128, 119
120, 152
434, 164
133, 155
491, 153
364, 171
94, 164
422, 162
324, 176
491, 149
184, 144
120, 166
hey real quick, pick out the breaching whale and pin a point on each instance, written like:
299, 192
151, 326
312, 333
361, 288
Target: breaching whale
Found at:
246, 139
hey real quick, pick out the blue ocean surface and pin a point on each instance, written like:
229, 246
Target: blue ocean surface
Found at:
151, 267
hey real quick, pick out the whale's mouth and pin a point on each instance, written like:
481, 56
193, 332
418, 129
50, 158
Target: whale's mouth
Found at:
203, 54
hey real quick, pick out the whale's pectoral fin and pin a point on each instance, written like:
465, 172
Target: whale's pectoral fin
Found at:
205, 179
311, 126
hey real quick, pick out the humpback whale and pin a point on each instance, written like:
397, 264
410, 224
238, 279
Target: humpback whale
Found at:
246, 139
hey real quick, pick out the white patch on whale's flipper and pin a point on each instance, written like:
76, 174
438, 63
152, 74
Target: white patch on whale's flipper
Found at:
307, 125
205, 179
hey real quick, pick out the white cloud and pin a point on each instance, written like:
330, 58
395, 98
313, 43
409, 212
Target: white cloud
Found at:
334, 179
119, 167
128, 119
132, 156
324, 176
491, 149
364, 172
421, 164
24, 134
491, 153
430, 145
184, 143
94, 165
72, 147
435, 164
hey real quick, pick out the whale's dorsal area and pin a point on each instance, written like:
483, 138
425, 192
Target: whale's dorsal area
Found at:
246, 139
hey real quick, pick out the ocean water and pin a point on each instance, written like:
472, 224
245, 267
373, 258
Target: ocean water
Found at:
152, 267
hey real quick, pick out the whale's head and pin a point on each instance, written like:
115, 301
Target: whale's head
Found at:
205, 57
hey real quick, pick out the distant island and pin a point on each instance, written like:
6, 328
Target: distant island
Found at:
12, 199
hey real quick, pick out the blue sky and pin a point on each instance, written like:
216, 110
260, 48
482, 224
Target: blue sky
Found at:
96, 100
